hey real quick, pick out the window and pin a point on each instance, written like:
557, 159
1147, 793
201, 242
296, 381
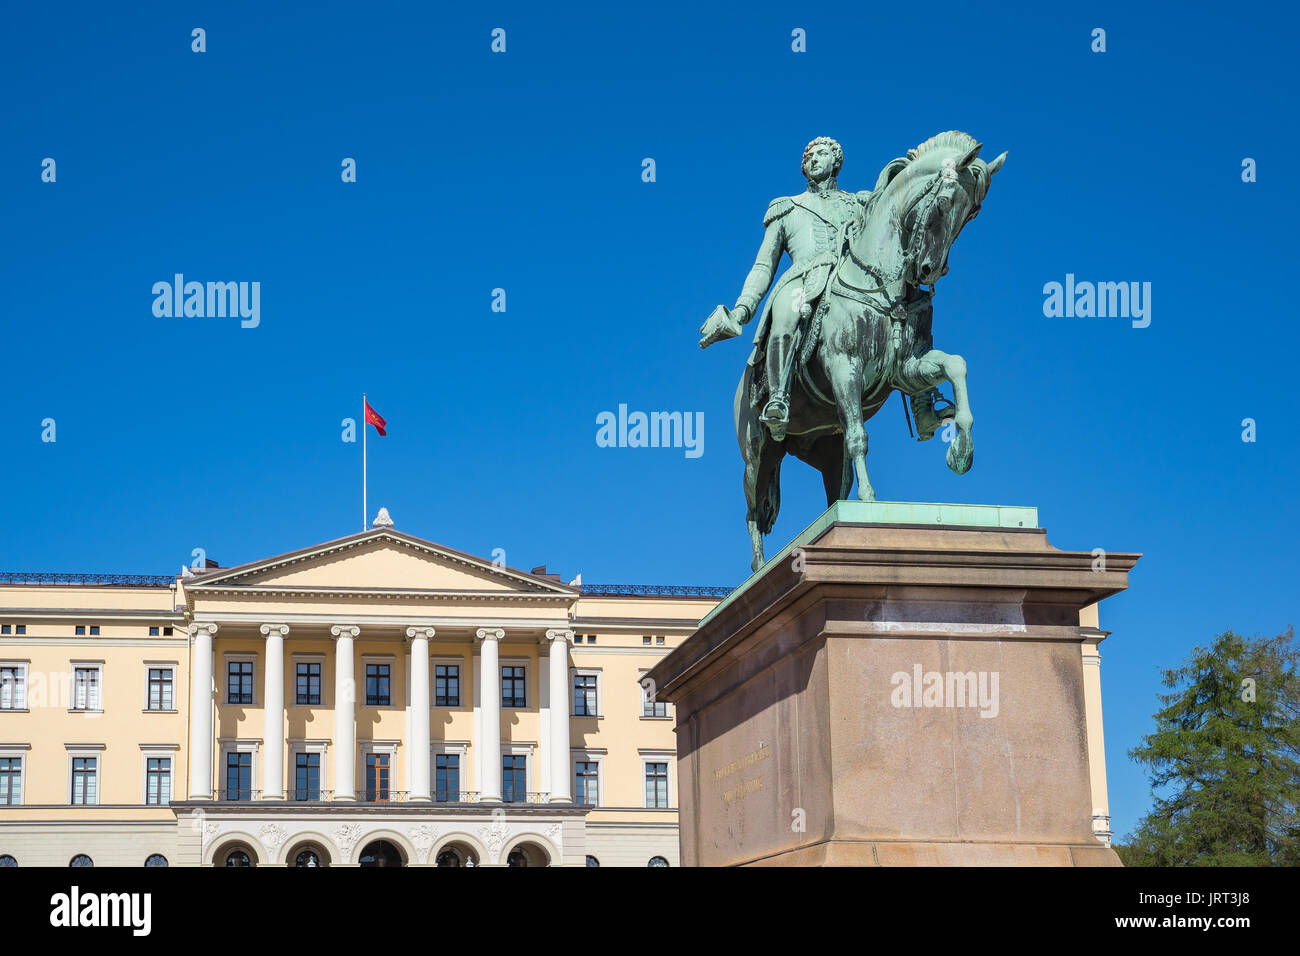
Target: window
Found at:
94, 630
577, 638
239, 775
513, 683
79, 630
656, 784
586, 782
160, 688
446, 783
307, 858
85, 781
657, 861
514, 778
7, 861
20, 629
11, 781
446, 685
378, 680
13, 686
651, 708
158, 781
377, 778
239, 682
306, 772
153, 632
645, 640
239, 858
156, 859
591, 638
81, 860
4, 628
167, 632
659, 640
584, 695
308, 680
85, 688
592, 861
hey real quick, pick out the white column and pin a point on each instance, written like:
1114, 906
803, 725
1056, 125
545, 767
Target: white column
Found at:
561, 694
201, 736
418, 780
273, 713
345, 698
489, 747
1092, 637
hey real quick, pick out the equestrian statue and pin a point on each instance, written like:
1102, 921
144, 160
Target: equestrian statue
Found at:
848, 323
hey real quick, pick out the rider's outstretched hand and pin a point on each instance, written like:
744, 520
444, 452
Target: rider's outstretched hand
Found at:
721, 324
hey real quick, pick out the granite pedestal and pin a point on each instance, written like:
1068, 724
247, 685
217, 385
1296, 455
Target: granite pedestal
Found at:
904, 684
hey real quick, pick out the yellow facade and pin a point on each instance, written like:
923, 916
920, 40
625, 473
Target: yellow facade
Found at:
593, 777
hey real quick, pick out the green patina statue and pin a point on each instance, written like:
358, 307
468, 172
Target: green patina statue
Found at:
849, 322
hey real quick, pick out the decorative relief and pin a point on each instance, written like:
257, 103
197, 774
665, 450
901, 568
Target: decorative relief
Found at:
346, 836
424, 836
273, 834
555, 833
494, 835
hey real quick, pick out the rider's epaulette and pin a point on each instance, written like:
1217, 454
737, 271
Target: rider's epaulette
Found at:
776, 209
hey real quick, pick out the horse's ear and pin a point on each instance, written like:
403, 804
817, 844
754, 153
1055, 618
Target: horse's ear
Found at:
970, 157
894, 167
994, 166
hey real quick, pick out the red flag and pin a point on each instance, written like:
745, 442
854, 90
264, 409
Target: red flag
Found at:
373, 418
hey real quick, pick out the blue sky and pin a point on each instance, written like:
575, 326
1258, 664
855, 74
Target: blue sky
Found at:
522, 171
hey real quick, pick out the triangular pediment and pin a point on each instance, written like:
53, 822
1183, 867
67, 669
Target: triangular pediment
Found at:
380, 561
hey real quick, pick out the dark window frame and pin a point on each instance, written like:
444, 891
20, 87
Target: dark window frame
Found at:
303, 678
239, 683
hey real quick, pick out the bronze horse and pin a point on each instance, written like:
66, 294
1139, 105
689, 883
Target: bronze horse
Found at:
870, 334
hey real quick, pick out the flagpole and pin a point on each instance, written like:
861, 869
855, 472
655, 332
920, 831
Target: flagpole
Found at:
364, 510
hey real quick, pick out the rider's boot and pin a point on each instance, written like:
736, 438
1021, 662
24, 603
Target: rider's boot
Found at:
930, 418
776, 414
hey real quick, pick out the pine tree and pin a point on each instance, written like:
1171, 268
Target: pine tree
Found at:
1223, 760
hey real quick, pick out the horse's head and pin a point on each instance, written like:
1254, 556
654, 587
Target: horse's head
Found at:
933, 192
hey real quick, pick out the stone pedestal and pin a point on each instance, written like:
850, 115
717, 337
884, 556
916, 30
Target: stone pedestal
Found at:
902, 685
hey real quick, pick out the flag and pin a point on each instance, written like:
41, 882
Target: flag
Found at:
373, 418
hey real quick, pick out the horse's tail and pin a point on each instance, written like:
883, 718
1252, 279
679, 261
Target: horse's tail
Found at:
762, 458
767, 502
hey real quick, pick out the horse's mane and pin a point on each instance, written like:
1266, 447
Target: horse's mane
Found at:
953, 140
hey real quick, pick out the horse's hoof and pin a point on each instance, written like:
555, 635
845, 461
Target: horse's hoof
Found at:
961, 454
756, 564
868, 495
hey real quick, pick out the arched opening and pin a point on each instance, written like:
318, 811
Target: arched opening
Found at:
527, 854
81, 860
307, 855
456, 854
657, 861
380, 853
7, 860
592, 861
156, 859
237, 855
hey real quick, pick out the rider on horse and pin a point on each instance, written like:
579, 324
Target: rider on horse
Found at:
813, 228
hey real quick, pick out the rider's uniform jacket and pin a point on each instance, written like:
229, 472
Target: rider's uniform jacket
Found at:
810, 227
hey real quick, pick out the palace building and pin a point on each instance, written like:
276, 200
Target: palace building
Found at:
374, 700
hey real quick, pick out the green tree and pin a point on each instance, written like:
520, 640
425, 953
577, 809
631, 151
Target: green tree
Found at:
1223, 760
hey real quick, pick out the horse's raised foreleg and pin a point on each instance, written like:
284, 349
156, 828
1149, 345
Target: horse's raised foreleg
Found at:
928, 371
846, 383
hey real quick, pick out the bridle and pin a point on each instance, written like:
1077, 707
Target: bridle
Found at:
929, 196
